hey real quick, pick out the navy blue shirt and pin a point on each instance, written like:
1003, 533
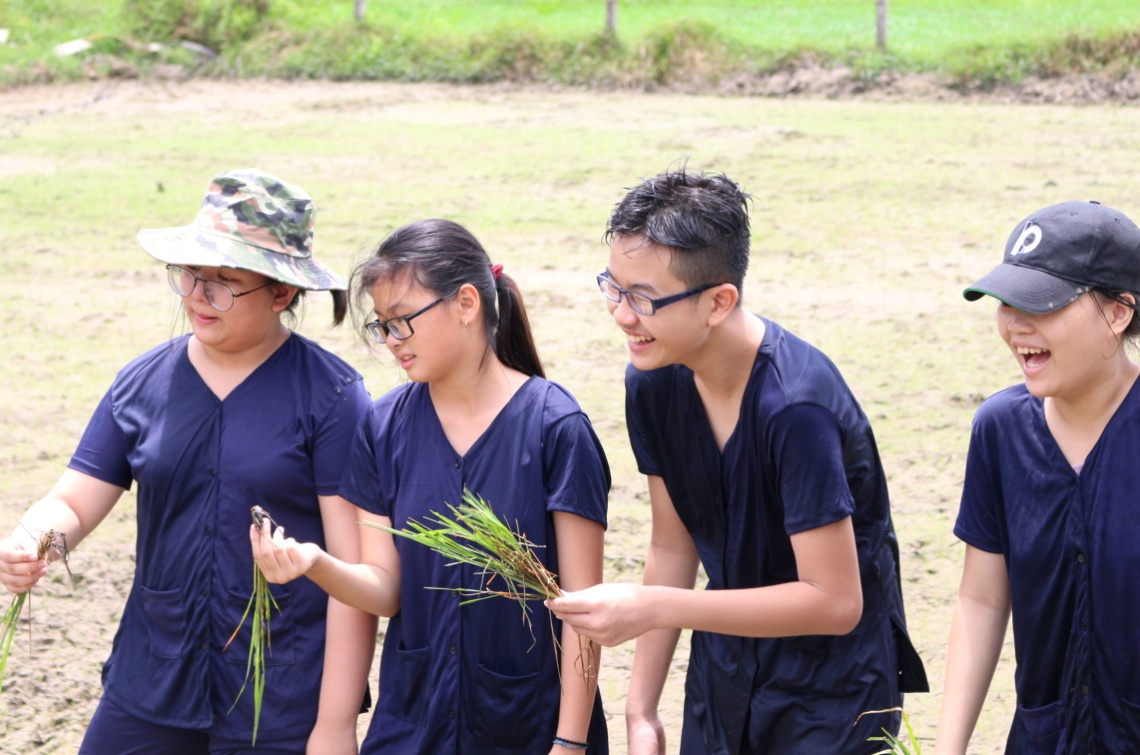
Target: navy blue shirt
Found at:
473, 679
277, 440
801, 456
1072, 548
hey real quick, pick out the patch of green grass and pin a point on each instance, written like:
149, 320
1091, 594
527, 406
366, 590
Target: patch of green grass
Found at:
657, 41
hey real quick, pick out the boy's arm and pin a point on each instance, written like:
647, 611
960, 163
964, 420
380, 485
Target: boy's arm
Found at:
672, 560
826, 599
981, 617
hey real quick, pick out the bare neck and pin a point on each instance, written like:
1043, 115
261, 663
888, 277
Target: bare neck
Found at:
222, 371
1077, 422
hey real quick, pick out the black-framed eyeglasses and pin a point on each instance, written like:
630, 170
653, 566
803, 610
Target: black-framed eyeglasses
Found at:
218, 295
640, 303
399, 327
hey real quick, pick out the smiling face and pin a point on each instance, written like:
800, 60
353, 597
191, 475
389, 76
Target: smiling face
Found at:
254, 318
674, 334
1065, 353
435, 346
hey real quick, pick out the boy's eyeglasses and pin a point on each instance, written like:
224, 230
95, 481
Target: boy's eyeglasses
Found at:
640, 303
218, 295
399, 327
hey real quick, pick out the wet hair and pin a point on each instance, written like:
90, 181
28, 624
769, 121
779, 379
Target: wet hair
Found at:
443, 256
702, 217
1132, 332
340, 307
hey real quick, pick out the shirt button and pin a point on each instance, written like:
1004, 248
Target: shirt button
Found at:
205, 646
457, 463
209, 530
453, 650
1084, 689
1080, 558
451, 713
205, 592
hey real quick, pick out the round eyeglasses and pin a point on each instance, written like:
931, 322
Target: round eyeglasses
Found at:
218, 295
399, 328
640, 303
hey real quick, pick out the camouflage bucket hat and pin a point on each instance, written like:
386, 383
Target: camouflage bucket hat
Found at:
249, 220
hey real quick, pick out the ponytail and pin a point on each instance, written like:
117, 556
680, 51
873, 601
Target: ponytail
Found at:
514, 345
442, 256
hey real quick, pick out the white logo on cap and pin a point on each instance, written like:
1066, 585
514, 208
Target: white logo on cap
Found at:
1028, 240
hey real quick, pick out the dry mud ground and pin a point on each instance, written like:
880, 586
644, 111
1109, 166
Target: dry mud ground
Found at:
869, 218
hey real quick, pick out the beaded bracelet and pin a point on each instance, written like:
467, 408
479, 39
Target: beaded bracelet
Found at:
570, 744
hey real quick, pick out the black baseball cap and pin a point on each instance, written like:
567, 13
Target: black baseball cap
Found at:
1057, 254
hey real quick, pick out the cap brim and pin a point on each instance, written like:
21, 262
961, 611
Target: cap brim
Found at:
193, 246
1026, 289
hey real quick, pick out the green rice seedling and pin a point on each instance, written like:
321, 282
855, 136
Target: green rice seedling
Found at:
51, 540
506, 560
261, 604
894, 745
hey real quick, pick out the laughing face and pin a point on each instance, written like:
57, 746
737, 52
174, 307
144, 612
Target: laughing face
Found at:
1064, 353
672, 335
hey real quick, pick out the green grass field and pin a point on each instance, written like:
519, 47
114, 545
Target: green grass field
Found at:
869, 219
465, 40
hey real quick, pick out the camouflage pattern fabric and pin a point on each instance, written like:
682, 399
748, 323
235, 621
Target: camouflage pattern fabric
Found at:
249, 220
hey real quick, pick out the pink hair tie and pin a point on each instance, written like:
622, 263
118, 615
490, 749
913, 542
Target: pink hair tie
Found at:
496, 271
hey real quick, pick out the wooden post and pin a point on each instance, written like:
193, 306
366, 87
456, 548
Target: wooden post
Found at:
611, 17
881, 25
358, 10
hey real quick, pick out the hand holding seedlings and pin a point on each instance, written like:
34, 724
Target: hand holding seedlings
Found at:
280, 559
51, 542
508, 566
608, 614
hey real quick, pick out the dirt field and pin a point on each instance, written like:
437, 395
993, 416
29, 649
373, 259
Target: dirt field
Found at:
869, 218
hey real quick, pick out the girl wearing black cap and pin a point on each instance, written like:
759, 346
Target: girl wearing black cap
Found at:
1049, 513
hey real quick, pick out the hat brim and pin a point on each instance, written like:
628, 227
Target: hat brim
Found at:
196, 247
1026, 289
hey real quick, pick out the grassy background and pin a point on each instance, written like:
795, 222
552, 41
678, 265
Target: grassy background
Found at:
869, 220
658, 41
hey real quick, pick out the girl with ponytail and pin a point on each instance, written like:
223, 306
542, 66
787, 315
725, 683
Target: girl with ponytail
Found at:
476, 414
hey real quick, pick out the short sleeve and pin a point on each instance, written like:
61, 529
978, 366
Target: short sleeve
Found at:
102, 451
360, 479
980, 522
637, 420
807, 447
577, 473
334, 437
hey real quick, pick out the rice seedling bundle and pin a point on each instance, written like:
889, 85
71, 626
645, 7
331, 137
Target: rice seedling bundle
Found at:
473, 534
49, 541
261, 604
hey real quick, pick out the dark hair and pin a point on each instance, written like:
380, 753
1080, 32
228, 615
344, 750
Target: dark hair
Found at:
340, 307
1132, 332
442, 256
703, 216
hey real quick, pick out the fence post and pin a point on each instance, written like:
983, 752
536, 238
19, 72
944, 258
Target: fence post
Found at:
358, 10
881, 25
611, 17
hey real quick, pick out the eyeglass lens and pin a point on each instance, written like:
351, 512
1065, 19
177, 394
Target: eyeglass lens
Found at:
218, 295
639, 303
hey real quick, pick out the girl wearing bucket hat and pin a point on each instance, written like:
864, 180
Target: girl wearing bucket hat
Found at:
477, 414
1049, 513
240, 412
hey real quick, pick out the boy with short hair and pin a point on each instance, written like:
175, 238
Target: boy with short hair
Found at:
763, 468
